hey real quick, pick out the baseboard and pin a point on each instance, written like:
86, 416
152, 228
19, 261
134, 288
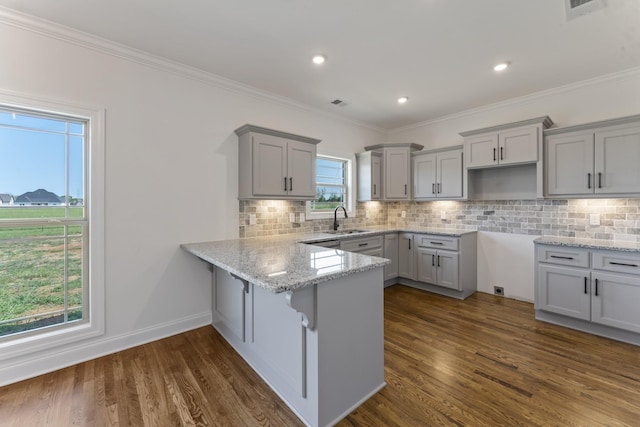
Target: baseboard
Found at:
28, 367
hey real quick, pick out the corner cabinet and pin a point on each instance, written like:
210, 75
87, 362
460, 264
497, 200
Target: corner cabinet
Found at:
396, 169
596, 159
593, 290
275, 165
437, 174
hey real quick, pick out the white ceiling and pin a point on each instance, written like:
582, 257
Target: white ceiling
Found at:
439, 53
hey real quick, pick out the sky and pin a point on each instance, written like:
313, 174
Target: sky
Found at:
33, 152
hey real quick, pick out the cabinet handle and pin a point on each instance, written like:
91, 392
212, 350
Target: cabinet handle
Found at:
409, 244
494, 154
438, 260
585, 285
436, 243
374, 189
560, 257
501, 157
433, 260
596, 287
285, 183
405, 189
363, 244
290, 184
433, 188
439, 188
623, 264
589, 180
599, 179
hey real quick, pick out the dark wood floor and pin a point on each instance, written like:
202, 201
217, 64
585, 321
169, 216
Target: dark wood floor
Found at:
484, 361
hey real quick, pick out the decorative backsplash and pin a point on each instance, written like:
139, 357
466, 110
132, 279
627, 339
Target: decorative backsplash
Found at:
619, 218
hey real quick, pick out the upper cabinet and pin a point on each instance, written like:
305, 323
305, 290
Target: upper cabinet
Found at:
597, 159
275, 165
509, 144
437, 174
396, 169
369, 176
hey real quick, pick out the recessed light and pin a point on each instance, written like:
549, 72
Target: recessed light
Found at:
501, 67
319, 59
402, 99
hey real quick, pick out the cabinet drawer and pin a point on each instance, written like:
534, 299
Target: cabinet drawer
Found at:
564, 256
616, 261
359, 245
438, 242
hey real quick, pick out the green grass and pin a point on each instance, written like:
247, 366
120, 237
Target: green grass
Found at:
32, 270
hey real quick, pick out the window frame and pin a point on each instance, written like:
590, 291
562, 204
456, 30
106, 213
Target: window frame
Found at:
93, 255
350, 179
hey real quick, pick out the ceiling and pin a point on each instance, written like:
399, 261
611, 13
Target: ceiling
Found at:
439, 53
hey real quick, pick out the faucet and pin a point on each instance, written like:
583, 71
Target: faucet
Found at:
335, 217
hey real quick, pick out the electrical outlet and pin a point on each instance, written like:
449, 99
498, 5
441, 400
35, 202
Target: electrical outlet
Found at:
403, 214
498, 290
292, 217
594, 219
252, 219
443, 214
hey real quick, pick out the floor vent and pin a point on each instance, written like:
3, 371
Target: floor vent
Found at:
578, 8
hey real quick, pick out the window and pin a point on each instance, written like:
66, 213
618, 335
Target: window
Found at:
333, 187
51, 268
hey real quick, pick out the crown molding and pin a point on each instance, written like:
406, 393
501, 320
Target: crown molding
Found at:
89, 41
631, 72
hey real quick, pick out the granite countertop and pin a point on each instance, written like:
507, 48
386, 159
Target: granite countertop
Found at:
589, 243
288, 262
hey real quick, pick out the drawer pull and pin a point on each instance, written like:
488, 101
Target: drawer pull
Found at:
436, 243
585, 285
363, 244
623, 264
562, 257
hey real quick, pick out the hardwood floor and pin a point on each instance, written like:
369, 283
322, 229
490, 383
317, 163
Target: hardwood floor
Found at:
484, 361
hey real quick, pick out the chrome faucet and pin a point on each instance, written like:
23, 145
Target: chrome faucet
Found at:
335, 217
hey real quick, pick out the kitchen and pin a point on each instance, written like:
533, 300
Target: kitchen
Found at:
172, 154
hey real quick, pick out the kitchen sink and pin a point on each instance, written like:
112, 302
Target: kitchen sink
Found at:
347, 231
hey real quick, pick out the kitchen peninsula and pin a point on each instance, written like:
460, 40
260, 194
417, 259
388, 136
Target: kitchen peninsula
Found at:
308, 319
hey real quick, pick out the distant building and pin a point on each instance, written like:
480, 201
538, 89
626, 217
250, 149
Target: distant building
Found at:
39, 197
6, 200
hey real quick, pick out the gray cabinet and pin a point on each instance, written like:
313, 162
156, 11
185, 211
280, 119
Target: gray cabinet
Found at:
391, 252
369, 176
437, 175
396, 169
511, 144
599, 287
275, 165
599, 159
366, 245
406, 256
435, 265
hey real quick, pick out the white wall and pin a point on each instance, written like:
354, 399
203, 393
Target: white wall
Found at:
171, 177
503, 259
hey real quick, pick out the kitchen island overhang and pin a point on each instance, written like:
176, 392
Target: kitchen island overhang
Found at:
307, 319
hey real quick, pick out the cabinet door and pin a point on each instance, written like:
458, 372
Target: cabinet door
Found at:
481, 150
406, 256
564, 290
376, 177
614, 301
617, 154
426, 265
391, 252
449, 184
396, 173
269, 165
301, 169
424, 176
569, 162
518, 145
447, 264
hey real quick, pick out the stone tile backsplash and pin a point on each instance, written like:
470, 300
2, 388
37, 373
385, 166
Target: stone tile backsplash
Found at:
619, 218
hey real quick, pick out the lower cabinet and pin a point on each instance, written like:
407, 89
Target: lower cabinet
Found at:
599, 287
391, 252
406, 256
438, 267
